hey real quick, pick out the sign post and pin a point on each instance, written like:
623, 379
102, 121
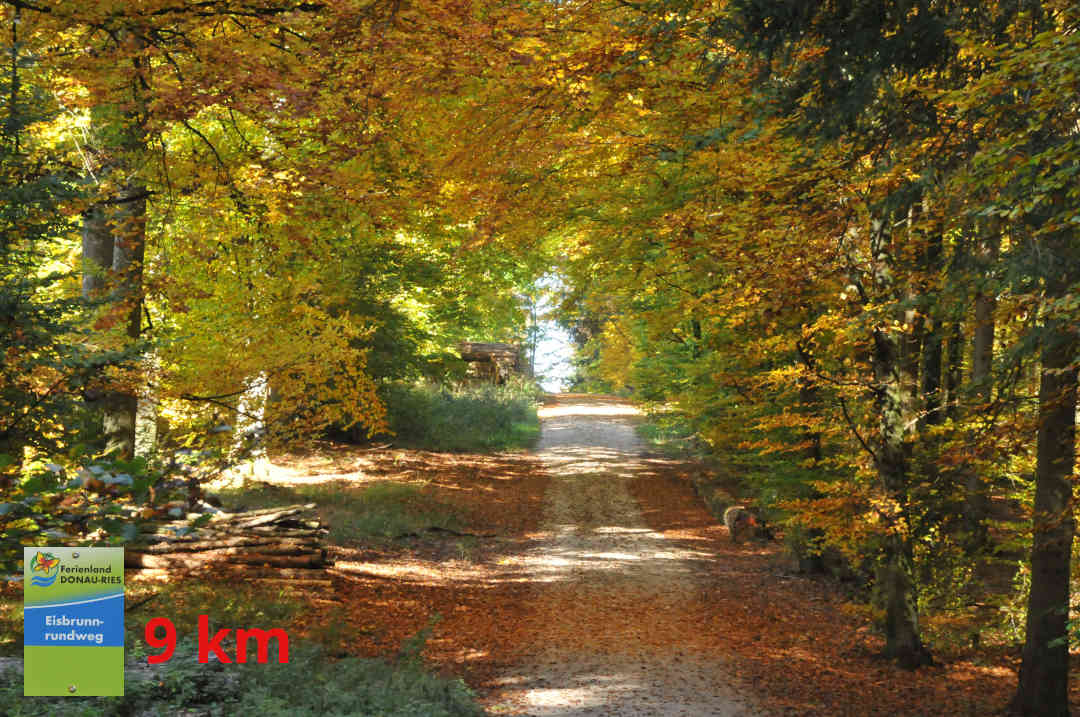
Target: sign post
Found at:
73, 620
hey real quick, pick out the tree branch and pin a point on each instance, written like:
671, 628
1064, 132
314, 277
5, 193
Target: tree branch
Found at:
855, 430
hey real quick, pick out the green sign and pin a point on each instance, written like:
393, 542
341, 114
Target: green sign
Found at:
73, 620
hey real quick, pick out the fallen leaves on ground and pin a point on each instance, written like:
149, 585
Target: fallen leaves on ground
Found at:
796, 641
791, 640
385, 593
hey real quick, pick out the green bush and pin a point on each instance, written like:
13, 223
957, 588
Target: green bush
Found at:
476, 417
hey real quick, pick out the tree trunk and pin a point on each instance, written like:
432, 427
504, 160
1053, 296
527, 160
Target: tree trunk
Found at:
976, 493
129, 249
114, 238
954, 370
809, 400
894, 584
931, 376
114, 243
911, 341
1044, 672
97, 250
954, 343
983, 355
932, 344
98, 245
894, 575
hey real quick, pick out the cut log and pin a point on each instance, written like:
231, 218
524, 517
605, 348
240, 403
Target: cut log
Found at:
262, 517
213, 553
313, 530
257, 533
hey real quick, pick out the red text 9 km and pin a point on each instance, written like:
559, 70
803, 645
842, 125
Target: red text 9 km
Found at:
214, 644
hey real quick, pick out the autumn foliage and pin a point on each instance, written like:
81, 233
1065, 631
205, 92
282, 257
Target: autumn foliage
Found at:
839, 240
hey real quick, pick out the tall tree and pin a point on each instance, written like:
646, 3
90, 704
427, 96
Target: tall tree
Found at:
114, 248
1022, 172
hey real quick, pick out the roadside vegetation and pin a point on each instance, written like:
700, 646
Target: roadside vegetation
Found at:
310, 685
469, 417
850, 264
967, 601
669, 433
319, 679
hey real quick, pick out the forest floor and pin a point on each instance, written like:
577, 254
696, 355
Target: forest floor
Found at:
583, 578
591, 580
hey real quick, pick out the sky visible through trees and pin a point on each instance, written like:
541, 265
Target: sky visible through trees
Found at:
554, 347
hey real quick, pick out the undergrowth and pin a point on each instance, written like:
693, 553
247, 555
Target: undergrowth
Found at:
462, 419
672, 435
309, 684
957, 609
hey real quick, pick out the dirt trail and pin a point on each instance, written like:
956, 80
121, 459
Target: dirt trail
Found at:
616, 605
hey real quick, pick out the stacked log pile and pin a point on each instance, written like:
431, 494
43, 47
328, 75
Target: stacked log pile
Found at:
269, 543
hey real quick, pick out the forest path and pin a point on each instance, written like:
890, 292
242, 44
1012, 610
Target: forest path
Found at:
617, 608
606, 587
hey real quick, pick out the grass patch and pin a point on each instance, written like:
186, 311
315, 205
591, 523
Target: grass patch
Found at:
309, 685
464, 419
383, 510
236, 604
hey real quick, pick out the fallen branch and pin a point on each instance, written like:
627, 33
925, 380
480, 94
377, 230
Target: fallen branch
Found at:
317, 579
264, 544
439, 529
228, 556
